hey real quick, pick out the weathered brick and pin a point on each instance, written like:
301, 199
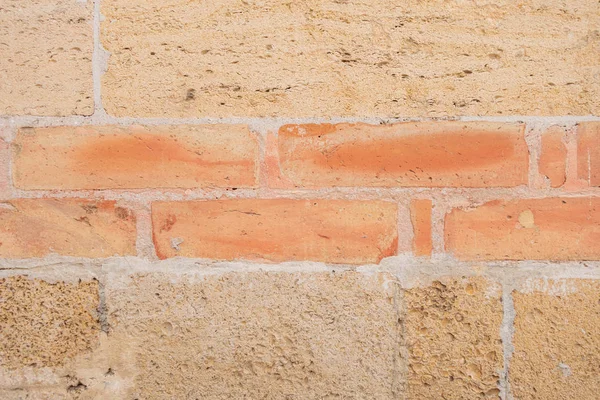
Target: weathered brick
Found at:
4, 169
538, 229
553, 159
335, 231
452, 330
111, 157
46, 57
46, 324
420, 212
588, 152
556, 340
72, 227
256, 335
458, 154
349, 58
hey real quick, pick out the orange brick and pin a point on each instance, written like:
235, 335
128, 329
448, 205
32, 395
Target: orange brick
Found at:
588, 152
420, 212
71, 227
334, 231
439, 154
4, 168
553, 160
111, 157
535, 229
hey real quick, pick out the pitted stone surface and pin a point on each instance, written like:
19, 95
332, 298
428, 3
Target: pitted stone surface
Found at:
46, 57
257, 335
556, 340
46, 324
452, 330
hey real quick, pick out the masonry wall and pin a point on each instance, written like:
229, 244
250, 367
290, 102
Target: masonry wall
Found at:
265, 199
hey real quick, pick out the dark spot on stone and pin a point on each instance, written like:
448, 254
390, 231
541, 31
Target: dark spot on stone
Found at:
190, 95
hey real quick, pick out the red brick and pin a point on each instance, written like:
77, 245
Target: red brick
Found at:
70, 227
553, 159
588, 152
535, 229
111, 157
334, 231
453, 154
420, 212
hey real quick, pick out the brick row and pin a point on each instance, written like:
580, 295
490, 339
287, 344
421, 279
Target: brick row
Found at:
441, 154
334, 231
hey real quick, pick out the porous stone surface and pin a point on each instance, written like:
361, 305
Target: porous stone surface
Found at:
46, 324
46, 57
256, 335
556, 340
351, 58
452, 334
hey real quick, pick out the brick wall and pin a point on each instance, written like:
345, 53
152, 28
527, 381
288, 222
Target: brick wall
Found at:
270, 199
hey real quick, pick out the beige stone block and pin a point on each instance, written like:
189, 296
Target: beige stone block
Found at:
556, 340
452, 330
46, 57
351, 58
46, 324
255, 335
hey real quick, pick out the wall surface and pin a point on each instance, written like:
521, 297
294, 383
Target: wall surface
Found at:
266, 199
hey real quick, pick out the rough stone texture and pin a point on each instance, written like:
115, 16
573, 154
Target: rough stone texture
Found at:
45, 324
72, 227
351, 58
452, 333
420, 213
334, 231
257, 336
556, 340
111, 157
588, 152
460, 154
537, 229
35, 394
46, 57
553, 159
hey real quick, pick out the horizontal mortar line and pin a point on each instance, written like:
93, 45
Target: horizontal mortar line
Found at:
408, 270
270, 123
400, 194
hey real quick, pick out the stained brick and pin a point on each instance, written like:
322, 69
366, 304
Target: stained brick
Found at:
454, 154
110, 157
588, 152
335, 231
538, 229
553, 159
72, 227
420, 211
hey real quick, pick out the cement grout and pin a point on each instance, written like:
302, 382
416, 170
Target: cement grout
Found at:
411, 271
258, 124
